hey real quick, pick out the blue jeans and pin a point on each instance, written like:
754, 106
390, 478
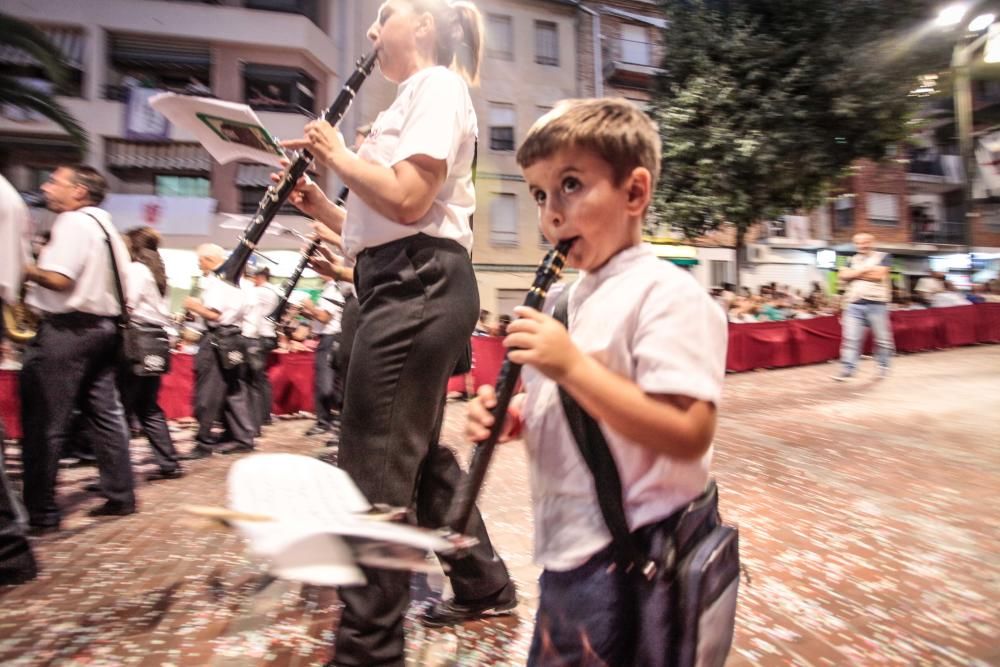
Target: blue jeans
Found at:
586, 616
854, 320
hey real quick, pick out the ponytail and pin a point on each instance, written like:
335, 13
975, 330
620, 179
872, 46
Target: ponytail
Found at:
459, 35
143, 246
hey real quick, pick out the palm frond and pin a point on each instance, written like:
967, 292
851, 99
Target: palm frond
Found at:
15, 93
34, 42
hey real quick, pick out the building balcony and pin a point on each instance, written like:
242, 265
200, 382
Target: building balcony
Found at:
939, 232
934, 175
630, 64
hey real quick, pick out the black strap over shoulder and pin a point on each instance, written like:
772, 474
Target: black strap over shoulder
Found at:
123, 318
597, 455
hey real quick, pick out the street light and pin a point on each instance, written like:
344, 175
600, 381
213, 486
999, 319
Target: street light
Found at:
950, 15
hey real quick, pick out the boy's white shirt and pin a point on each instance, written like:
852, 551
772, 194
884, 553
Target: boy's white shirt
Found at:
653, 323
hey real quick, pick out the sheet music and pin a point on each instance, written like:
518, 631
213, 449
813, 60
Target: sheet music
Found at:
229, 131
321, 528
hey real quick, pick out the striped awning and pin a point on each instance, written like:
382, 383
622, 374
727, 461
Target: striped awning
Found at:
254, 175
69, 40
258, 175
175, 156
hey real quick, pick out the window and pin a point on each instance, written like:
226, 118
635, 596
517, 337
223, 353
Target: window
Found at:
182, 186
844, 212
635, 45
546, 43
501, 127
275, 88
500, 37
883, 209
721, 272
503, 219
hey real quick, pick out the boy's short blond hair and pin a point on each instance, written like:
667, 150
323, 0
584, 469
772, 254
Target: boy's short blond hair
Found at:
614, 129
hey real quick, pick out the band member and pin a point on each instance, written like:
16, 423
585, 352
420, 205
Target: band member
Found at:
146, 297
219, 386
261, 339
325, 315
17, 563
73, 359
408, 231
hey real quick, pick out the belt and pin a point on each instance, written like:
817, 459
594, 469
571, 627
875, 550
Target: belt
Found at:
76, 319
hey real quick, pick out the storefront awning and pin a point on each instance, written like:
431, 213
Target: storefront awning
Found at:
70, 41
174, 156
682, 255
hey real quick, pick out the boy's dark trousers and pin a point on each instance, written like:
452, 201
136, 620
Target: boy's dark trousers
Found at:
17, 563
419, 305
323, 390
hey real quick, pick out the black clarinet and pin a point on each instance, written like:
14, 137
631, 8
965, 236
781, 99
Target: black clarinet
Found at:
458, 518
307, 254
278, 194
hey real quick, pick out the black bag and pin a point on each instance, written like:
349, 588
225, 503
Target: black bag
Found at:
229, 347
146, 349
686, 568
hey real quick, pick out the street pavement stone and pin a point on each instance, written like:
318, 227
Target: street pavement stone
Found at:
868, 529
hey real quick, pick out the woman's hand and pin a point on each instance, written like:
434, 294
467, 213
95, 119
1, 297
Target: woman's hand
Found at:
479, 420
323, 140
535, 339
326, 263
306, 195
327, 235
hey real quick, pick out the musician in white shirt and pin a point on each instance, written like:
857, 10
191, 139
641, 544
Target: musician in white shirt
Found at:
408, 230
75, 353
146, 299
261, 339
220, 391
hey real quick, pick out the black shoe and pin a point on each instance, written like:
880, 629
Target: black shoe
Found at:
235, 448
317, 429
199, 452
175, 473
452, 612
112, 508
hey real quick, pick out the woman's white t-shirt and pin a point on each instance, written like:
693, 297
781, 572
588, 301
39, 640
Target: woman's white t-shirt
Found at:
432, 115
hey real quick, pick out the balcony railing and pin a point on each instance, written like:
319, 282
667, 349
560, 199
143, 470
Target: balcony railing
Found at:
941, 232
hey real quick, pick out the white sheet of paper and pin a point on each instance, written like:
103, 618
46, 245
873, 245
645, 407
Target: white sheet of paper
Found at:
228, 131
315, 506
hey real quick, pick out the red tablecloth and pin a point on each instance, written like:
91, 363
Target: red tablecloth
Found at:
816, 340
988, 322
10, 404
916, 330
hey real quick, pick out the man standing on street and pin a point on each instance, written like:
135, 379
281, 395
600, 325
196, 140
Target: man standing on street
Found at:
867, 295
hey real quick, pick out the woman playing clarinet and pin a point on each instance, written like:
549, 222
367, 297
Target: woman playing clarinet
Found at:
409, 235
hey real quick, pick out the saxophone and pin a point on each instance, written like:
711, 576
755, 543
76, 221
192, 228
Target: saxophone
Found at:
20, 324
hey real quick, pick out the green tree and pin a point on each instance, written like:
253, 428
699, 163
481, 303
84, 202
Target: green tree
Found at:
764, 103
26, 37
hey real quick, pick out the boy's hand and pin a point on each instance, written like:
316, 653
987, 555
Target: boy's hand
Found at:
479, 419
535, 339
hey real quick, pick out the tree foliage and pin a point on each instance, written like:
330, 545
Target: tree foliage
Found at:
764, 102
26, 37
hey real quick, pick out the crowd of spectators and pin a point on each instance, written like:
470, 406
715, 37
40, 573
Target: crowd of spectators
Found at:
774, 302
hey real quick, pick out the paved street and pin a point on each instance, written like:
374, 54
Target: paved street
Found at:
867, 512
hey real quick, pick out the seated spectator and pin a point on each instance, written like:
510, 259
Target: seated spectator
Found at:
483, 327
948, 297
978, 293
928, 286
502, 323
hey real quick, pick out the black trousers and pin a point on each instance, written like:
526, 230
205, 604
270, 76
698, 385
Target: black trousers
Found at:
17, 563
342, 360
139, 396
257, 380
323, 379
72, 362
220, 392
419, 305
